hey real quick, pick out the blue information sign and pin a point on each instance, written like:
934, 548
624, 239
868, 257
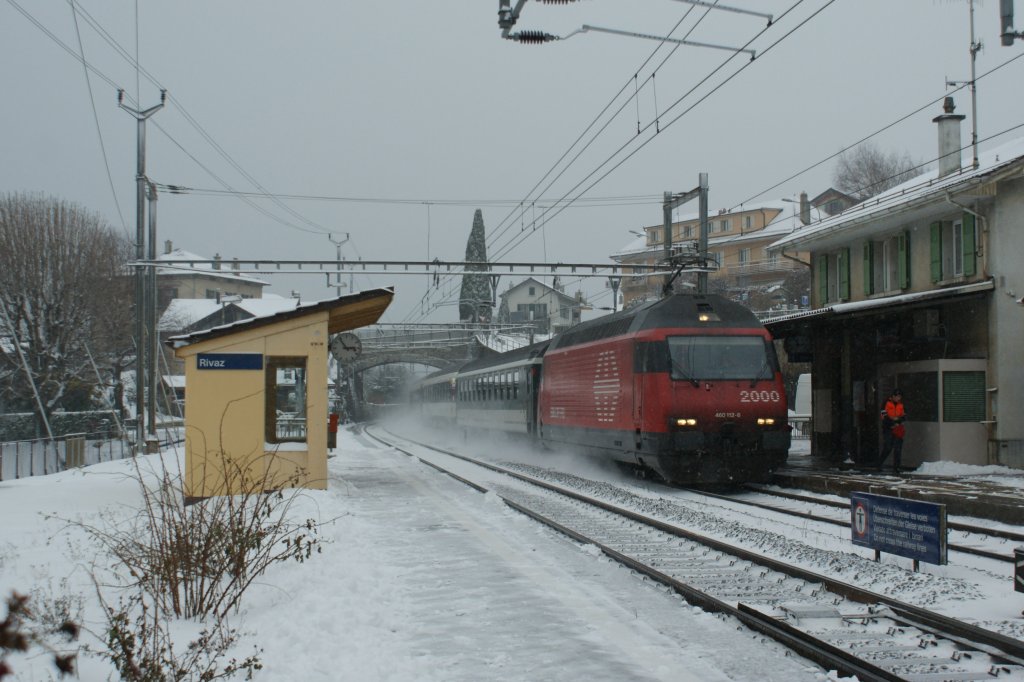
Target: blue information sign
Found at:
229, 361
909, 528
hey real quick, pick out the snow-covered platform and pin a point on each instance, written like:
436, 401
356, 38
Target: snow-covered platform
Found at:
989, 492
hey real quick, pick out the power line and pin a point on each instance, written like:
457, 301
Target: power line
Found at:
96, 120
140, 72
624, 200
702, 99
563, 203
612, 118
505, 224
881, 130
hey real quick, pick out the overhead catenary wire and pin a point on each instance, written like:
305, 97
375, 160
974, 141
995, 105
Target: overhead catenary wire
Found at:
564, 201
510, 218
96, 119
501, 230
622, 200
877, 132
142, 72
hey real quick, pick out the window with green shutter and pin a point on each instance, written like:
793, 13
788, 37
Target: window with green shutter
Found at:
844, 274
968, 238
903, 261
936, 253
963, 396
869, 268
822, 280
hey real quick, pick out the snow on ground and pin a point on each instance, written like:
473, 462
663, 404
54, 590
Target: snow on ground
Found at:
420, 579
980, 590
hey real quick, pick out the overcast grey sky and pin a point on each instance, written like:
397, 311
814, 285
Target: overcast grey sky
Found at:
425, 102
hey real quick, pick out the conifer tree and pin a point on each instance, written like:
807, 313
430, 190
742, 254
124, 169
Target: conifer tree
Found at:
475, 295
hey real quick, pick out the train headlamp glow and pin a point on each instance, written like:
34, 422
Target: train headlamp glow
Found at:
703, 317
686, 422
765, 421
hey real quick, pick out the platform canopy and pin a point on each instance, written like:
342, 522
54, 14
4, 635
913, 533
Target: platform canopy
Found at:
344, 313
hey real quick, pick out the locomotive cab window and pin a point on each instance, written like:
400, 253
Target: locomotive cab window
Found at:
717, 358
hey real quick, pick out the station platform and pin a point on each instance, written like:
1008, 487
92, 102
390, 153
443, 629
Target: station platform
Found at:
979, 497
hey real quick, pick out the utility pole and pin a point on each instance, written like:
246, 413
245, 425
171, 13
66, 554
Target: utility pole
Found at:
152, 442
337, 281
672, 201
339, 374
140, 254
613, 282
702, 247
974, 50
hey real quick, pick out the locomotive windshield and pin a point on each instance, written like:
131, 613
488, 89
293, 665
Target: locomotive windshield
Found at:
720, 358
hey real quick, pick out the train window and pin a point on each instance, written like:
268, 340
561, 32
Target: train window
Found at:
720, 357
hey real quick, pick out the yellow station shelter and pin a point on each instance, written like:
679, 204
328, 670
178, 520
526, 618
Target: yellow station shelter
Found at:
256, 396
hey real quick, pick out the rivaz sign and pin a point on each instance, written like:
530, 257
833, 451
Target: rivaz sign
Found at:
229, 361
909, 528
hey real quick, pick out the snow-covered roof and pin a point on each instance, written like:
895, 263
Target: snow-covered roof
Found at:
343, 315
637, 245
506, 342
184, 312
784, 223
883, 302
204, 269
536, 282
902, 200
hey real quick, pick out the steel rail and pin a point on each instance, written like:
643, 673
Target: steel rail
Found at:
952, 525
836, 522
992, 643
804, 644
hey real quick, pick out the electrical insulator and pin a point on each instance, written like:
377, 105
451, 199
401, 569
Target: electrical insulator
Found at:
533, 37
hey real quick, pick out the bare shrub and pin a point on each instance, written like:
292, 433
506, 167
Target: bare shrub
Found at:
176, 559
199, 559
139, 644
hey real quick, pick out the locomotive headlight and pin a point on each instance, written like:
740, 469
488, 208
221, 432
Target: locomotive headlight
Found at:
765, 421
686, 422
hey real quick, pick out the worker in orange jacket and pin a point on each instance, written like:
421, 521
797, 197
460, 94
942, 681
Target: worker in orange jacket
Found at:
893, 431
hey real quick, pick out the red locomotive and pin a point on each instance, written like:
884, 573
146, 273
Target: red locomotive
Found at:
688, 386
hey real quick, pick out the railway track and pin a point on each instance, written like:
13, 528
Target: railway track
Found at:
952, 525
845, 522
835, 624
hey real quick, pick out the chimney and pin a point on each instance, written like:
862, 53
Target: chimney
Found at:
949, 138
168, 247
216, 261
805, 209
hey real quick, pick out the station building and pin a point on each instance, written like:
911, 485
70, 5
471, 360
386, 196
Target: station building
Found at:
921, 288
256, 404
